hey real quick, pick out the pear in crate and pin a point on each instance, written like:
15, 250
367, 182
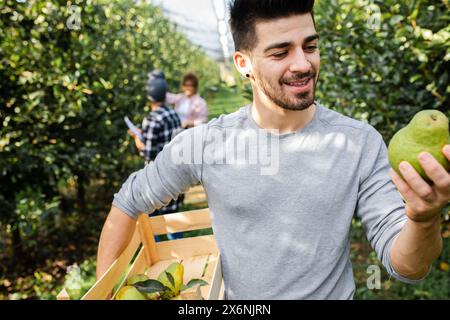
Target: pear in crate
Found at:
427, 132
129, 293
139, 278
136, 278
172, 278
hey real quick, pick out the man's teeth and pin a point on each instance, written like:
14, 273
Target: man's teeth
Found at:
300, 83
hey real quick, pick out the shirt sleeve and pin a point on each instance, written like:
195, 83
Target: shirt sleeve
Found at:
380, 206
201, 113
172, 98
150, 127
176, 168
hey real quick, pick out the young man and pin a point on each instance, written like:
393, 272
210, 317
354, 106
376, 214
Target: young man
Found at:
158, 128
190, 107
285, 234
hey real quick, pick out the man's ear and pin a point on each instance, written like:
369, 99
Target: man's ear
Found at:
243, 64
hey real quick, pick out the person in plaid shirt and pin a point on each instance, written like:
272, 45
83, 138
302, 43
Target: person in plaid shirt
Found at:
158, 128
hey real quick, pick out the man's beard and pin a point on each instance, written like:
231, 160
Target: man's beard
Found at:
301, 101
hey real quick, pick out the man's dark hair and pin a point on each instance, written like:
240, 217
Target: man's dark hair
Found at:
191, 78
245, 13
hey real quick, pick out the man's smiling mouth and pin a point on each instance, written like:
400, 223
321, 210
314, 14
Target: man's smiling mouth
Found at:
299, 83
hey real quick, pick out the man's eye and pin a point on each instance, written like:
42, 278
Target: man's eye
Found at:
311, 48
279, 54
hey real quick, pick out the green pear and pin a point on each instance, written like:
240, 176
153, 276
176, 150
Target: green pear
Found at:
136, 278
142, 277
177, 271
427, 132
129, 293
152, 296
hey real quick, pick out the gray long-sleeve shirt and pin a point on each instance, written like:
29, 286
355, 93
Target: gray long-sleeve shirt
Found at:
281, 205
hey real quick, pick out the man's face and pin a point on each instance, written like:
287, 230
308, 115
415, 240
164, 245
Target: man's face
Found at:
286, 61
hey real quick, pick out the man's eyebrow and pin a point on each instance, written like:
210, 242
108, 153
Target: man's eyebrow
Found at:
288, 44
311, 38
278, 46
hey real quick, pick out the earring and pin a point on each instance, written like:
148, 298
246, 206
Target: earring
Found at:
247, 75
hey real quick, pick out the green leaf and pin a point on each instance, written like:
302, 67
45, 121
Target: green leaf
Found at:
150, 286
170, 277
183, 287
193, 283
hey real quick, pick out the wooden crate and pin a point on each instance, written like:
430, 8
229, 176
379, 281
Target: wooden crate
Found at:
196, 196
200, 255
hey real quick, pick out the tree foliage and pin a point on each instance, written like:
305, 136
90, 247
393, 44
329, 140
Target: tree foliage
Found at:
383, 61
65, 91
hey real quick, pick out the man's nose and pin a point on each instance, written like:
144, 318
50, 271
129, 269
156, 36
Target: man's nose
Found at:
299, 62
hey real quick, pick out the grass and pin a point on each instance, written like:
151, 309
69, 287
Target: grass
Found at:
225, 101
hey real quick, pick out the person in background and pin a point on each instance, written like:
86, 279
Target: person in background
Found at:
190, 107
158, 127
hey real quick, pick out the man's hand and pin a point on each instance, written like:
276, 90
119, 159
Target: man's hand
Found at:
419, 242
423, 201
131, 133
188, 124
139, 144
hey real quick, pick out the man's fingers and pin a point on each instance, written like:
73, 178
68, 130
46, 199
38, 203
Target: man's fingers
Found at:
446, 151
436, 172
405, 190
416, 182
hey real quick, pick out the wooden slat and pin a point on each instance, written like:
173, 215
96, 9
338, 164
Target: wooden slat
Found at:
103, 287
137, 267
193, 293
197, 200
148, 240
216, 281
181, 221
208, 277
195, 189
195, 195
193, 268
222, 291
186, 248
